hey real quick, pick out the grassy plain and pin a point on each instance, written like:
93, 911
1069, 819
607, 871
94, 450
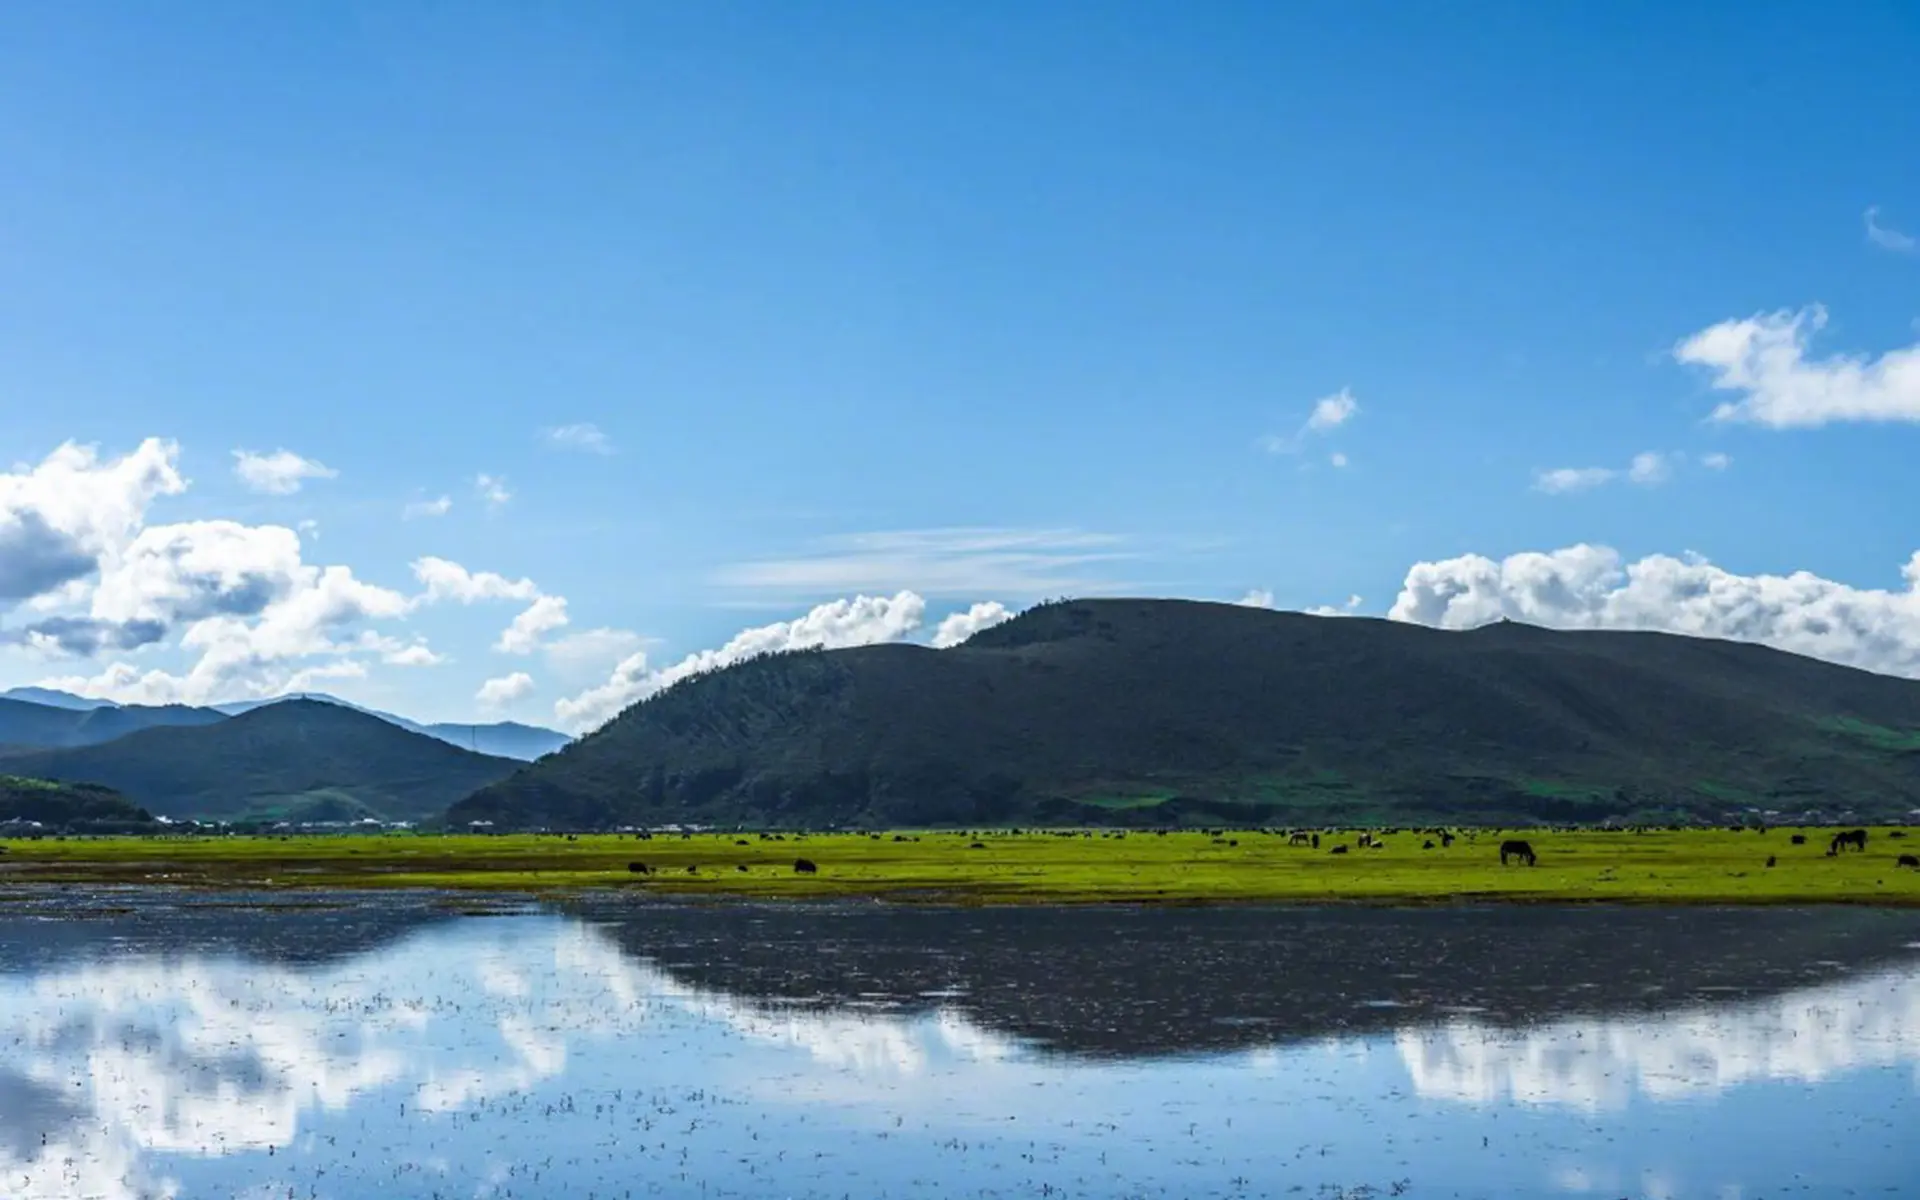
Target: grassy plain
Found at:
1691, 867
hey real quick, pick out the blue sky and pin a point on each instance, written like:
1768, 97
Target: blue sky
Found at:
982, 303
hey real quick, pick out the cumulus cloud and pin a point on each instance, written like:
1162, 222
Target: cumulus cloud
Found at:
1328, 414
1763, 360
1716, 461
958, 627
584, 436
59, 519
492, 489
418, 654
416, 509
1592, 587
1256, 598
1886, 237
278, 474
859, 621
449, 581
498, 693
538, 619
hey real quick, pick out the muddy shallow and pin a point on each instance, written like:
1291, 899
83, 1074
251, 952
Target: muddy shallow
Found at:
388, 1045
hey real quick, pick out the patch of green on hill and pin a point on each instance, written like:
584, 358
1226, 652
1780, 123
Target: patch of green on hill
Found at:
69, 807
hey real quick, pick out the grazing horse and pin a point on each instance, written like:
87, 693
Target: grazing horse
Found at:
804, 866
1857, 838
1516, 849
1299, 839
1908, 860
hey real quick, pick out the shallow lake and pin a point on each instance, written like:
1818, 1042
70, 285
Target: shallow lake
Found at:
190, 1046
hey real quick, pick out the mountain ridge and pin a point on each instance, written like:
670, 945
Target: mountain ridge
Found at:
1167, 711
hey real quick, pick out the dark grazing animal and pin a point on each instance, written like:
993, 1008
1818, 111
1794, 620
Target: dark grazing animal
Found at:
1427, 846
1857, 838
1798, 839
638, 868
1299, 839
804, 866
1770, 860
1515, 848
1908, 860
1316, 841
1340, 849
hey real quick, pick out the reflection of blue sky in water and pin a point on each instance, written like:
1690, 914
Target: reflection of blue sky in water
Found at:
528, 1056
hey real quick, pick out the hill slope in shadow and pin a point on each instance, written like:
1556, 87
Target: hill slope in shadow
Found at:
1161, 711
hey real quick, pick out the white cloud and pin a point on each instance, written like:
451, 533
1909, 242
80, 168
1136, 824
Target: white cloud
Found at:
958, 627
61, 518
278, 474
445, 580
859, 621
1337, 459
592, 649
1649, 468
1562, 480
1764, 360
1715, 461
492, 489
1591, 587
417, 509
1331, 412
943, 562
543, 616
1887, 238
419, 654
498, 693
1256, 598
585, 436
1348, 609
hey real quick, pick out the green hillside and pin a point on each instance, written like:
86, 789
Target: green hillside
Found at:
1164, 712
300, 759
69, 807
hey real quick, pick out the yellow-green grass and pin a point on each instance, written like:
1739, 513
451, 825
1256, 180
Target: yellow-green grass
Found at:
1698, 866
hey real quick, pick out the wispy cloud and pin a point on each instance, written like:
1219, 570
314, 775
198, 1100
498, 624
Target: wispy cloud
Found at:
584, 436
1649, 468
1886, 237
1763, 360
278, 474
943, 562
1329, 413
417, 509
492, 489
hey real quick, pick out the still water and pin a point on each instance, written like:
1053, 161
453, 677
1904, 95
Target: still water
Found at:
236, 1046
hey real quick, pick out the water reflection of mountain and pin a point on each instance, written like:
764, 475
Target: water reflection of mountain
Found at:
294, 930
1134, 982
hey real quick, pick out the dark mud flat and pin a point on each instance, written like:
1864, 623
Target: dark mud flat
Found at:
354, 1047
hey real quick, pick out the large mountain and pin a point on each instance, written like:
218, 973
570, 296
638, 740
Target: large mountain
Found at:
1157, 711
299, 758
27, 725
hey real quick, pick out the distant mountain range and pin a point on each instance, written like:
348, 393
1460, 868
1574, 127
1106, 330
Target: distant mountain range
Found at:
23, 729
1162, 712
305, 760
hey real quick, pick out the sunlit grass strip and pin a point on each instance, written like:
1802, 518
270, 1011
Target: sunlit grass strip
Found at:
1690, 867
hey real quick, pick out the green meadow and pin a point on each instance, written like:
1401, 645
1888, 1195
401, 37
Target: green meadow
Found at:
1684, 867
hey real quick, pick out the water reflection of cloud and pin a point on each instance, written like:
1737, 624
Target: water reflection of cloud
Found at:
203, 1056
1808, 1036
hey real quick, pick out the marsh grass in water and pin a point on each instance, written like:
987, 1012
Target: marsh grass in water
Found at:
988, 867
